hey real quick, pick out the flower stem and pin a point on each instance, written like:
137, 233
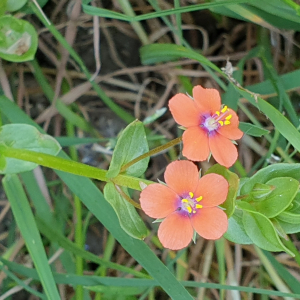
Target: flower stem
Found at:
152, 152
120, 191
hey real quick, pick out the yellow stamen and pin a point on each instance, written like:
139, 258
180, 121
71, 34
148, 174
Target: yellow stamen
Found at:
194, 211
221, 123
189, 209
199, 198
224, 109
217, 113
191, 194
199, 206
185, 200
227, 122
228, 117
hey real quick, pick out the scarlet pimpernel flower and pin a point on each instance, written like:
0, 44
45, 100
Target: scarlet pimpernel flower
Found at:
210, 127
187, 203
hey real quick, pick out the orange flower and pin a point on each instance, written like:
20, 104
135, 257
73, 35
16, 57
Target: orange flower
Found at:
210, 127
187, 203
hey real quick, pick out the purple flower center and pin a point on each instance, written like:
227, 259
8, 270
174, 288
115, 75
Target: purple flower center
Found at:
218, 119
190, 204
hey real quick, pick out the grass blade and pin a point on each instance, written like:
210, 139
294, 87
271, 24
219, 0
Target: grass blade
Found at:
25, 220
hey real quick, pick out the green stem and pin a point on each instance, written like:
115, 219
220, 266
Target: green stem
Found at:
290, 245
151, 152
79, 238
139, 30
72, 167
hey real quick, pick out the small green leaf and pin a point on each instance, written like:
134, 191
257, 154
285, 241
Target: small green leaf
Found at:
289, 219
253, 130
236, 232
23, 136
18, 39
261, 230
288, 227
131, 144
270, 172
233, 181
128, 217
261, 191
285, 191
13, 5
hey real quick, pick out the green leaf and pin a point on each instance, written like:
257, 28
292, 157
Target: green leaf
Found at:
261, 230
236, 232
117, 290
289, 219
233, 181
18, 39
285, 191
270, 172
261, 191
23, 136
253, 130
131, 144
128, 217
25, 220
155, 53
13, 5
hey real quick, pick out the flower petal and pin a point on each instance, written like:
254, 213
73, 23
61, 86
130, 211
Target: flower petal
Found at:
223, 150
213, 188
175, 232
210, 223
182, 176
208, 100
195, 144
158, 201
184, 110
231, 131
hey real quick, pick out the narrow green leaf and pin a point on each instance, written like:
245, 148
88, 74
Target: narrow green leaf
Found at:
109, 14
23, 136
87, 280
282, 124
131, 144
54, 235
117, 291
253, 130
21, 283
155, 53
25, 220
285, 274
